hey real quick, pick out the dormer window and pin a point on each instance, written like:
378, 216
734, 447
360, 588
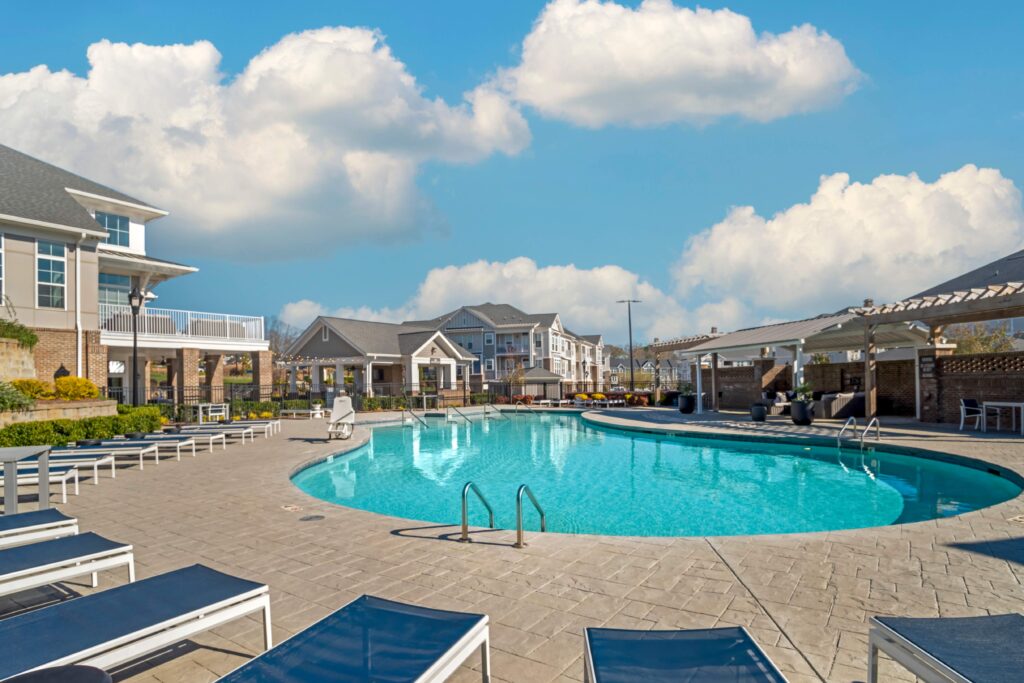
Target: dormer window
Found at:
116, 226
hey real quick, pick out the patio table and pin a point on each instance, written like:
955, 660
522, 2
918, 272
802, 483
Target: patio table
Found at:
10, 458
1014, 406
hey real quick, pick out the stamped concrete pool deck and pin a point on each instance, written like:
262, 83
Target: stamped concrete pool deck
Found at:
805, 597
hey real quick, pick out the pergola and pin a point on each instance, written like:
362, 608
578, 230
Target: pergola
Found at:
842, 331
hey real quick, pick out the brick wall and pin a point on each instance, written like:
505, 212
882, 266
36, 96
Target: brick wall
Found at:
895, 382
983, 376
16, 362
57, 347
262, 367
740, 386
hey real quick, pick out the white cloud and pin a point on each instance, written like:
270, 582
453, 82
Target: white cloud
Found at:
584, 297
887, 239
598, 63
317, 142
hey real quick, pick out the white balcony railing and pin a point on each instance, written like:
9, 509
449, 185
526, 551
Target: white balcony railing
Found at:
167, 322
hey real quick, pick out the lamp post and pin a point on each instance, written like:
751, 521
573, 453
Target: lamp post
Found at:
135, 298
629, 313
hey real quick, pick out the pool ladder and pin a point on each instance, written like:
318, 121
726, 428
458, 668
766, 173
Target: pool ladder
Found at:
851, 424
494, 411
520, 534
421, 420
448, 414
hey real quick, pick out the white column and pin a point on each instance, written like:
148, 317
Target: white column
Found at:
293, 380
368, 378
314, 372
798, 368
339, 376
414, 375
917, 383
450, 367
700, 398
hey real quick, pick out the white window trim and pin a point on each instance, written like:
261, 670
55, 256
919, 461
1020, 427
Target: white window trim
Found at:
325, 334
488, 339
489, 364
65, 285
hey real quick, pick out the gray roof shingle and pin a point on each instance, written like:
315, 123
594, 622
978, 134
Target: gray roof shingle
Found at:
35, 190
386, 338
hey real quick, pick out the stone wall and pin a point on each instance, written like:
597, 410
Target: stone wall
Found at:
61, 410
16, 361
895, 382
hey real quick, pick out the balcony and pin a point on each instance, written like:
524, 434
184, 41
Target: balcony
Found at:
170, 328
513, 350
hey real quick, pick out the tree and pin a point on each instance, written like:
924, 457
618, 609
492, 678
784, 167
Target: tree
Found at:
980, 338
820, 359
281, 335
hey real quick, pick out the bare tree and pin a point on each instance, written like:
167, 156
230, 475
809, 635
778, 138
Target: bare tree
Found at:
281, 335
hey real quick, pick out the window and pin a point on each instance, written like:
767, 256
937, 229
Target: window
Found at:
114, 289
51, 263
325, 334
476, 365
489, 364
488, 339
538, 340
117, 227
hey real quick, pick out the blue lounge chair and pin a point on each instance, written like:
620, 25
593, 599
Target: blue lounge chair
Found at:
209, 439
93, 460
372, 639
126, 450
121, 624
714, 655
28, 475
173, 445
60, 559
38, 525
954, 649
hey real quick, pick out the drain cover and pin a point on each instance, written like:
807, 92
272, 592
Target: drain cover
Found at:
291, 508
311, 518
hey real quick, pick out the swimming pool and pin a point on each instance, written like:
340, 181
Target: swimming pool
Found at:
603, 481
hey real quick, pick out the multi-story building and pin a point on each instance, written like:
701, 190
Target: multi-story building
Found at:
506, 340
71, 251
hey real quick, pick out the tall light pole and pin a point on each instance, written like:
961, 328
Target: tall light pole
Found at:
135, 298
629, 314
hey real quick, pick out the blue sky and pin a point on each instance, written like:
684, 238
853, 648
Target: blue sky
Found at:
941, 87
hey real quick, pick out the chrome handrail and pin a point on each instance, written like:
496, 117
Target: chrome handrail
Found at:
520, 542
422, 421
460, 413
867, 428
470, 486
496, 411
520, 403
849, 421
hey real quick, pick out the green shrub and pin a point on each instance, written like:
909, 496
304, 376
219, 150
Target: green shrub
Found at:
12, 329
60, 432
75, 389
295, 404
11, 398
243, 408
34, 388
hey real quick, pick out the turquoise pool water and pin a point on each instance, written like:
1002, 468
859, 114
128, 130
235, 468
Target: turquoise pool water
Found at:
598, 481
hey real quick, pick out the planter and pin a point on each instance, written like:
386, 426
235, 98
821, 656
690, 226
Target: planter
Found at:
802, 412
687, 403
172, 430
758, 412
135, 436
89, 442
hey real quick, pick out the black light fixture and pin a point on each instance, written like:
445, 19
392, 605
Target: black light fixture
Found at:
61, 372
629, 312
135, 298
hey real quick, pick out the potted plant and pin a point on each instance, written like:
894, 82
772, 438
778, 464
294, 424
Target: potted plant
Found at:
758, 411
802, 409
687, 399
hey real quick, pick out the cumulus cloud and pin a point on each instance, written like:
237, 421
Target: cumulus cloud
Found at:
318, 140
887, 239
584, 297
597, 63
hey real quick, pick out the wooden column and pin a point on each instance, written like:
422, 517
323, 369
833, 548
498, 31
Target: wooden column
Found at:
714, 382
870, 377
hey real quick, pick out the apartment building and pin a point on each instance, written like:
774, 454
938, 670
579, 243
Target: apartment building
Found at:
505, 339
71, 251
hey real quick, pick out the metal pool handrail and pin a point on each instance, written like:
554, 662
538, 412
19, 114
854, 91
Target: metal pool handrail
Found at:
460, 413
878, 431
470, 486
520, 403
422, 421
849, 421
495, 410
520, 542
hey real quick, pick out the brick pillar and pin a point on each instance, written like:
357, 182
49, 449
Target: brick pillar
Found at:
145, 377
186, 373
94, 359
263, 370
930, 382
215, 376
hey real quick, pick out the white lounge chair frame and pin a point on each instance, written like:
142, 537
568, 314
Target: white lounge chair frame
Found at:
910, 656
38, 532
478, 638
31, 478
69, 569
132, 451
140, 643
208, 437
88, 461
225, 430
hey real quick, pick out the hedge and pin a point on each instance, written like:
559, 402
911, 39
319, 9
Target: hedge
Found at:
60, 432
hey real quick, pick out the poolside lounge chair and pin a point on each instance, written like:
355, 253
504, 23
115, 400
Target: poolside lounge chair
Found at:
60, 559
71, 673
139, 451
204, 438
38, 525
173, 445
227, 430
714, 654
121, 624
273, 423
28, 475
970, 409
343, 418
959, 649
95, 460
372, 639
